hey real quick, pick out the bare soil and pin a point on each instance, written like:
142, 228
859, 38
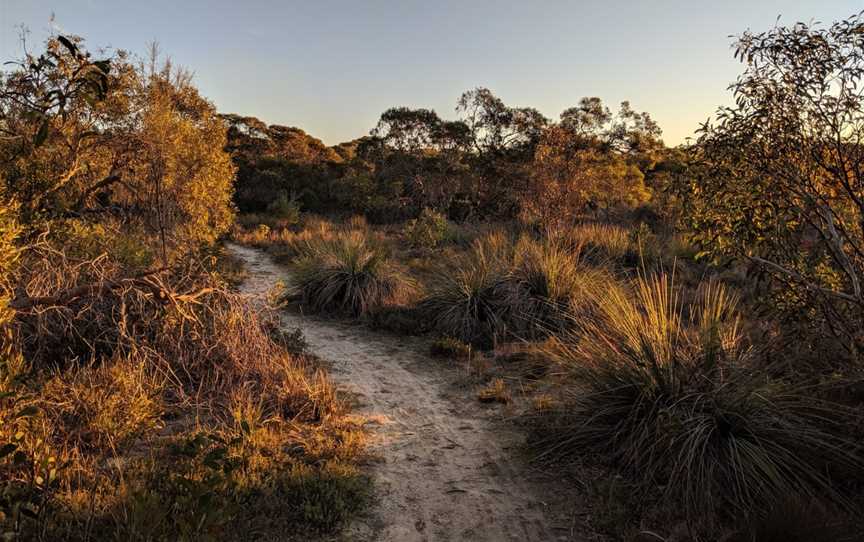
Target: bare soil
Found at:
447, 467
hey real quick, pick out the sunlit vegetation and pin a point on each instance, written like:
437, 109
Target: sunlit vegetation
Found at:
680, 330
348, 274
683, 322
141, 398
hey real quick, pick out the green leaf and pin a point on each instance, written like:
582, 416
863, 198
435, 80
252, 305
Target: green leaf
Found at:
42, 134
27, 412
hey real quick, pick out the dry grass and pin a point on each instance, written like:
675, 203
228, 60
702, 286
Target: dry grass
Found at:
495, 392
667, 393
349, 274
601, 241
165, 408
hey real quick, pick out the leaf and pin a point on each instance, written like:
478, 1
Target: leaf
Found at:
42, 134
73, 49
27, 412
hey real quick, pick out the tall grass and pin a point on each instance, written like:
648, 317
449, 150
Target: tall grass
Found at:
601, 241
546, 285
349, 273
501, 288
666, 392
166, 408
465, 300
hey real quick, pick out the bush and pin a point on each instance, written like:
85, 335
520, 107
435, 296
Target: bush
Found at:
547, 285
174, 360
349, 274
428, 231
667, 393
285, 208
464, 303
387, 210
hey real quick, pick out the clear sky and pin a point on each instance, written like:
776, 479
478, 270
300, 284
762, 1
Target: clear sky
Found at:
331, 67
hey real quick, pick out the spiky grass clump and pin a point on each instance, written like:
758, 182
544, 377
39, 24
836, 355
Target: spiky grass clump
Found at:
465, 301
602, 242
665, 392
349, 274
548, 283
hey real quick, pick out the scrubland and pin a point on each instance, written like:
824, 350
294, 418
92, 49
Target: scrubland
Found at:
676, 332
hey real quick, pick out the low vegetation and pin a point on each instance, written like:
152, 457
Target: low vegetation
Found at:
348, 274
688, 353
679, 329
672, 393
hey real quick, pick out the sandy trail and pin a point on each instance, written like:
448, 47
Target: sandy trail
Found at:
445, 469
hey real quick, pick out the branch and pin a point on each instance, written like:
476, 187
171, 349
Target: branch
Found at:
107, 181
797, 276
86, 290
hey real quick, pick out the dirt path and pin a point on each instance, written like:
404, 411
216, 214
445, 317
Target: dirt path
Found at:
446, 470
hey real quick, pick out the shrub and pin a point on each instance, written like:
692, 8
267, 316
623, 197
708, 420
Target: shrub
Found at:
348, 274
464, 302
667, 393
285, 208
548, 284
428, 231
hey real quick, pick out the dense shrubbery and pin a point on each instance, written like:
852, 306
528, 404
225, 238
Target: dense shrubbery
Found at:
495, 162
139, 397
428, 230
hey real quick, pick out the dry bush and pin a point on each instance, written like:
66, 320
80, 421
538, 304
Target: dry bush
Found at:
156, 406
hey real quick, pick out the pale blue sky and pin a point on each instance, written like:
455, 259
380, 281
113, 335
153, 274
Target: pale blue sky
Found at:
331, 67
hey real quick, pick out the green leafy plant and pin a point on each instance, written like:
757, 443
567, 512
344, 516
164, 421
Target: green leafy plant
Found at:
428, 231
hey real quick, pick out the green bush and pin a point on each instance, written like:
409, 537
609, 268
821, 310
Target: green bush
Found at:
285, 208
464, 302
427, 231
548, 284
